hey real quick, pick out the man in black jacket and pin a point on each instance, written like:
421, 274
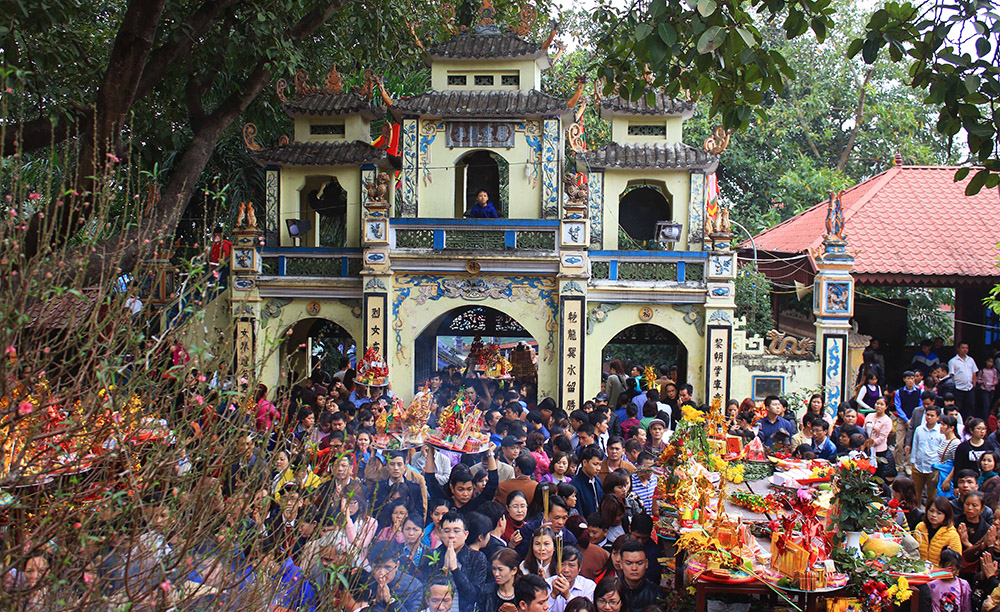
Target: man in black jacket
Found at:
461, 493
640, 589
468, 568
393, 589
396, 470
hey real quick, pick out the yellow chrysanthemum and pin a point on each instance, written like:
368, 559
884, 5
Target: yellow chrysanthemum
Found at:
690, 413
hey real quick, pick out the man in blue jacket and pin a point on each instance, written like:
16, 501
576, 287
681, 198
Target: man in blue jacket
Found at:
588, 486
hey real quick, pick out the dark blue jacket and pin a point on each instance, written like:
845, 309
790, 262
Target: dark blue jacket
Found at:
585, 499
486, 211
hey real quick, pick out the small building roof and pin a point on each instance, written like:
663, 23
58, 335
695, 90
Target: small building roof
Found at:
319, 154
652, 156
486, 46
330, 104
481, 105
664, 106
910, 226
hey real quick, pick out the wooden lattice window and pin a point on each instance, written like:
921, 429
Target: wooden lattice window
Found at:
647, 130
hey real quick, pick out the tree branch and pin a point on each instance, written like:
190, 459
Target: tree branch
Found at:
181, 42
858, 116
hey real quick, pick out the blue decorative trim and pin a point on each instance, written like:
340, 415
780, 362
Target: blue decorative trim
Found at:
550, 168
428, 132
293, 251
681, 271
595, 202
696, 210
272, 193
428, 287
408, 197
485, 224
664, 254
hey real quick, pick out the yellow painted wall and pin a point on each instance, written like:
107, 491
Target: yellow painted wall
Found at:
437, 197
356, 127
678, 183
619, 129
415, 317
294, 182
530, 73
273, 343
626, 316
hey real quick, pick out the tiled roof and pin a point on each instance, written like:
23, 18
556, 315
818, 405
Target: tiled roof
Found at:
319, 154
910, 225
482, 46
332, 104
650, 156
664, 106
480, 104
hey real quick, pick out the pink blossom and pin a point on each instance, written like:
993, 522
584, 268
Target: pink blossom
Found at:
25, 408
13, 213
113, 157
166, 586
10, 90
201, 378
46, 350
243, 380
11, 350
34, 196
200, 400
77, 525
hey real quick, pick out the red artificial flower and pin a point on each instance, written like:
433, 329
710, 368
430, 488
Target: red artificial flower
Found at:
868, 587
894, 503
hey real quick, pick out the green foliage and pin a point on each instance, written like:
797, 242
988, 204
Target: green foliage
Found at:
857, 496
710, 49
953, 55
925, 317
753, 300
812, 142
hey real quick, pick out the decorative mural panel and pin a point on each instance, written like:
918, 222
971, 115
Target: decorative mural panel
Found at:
720, 348
271, 194
533, 137
495, 134
595, 203
428, 132
696, 211
408, 187
550, 169
571, 352
834, 369
376, 320
426, 287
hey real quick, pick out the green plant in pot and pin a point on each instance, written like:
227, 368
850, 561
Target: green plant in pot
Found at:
856, 494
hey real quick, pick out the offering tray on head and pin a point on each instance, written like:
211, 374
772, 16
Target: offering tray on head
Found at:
470, 447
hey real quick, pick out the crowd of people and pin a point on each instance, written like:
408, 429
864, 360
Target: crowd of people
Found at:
559, 513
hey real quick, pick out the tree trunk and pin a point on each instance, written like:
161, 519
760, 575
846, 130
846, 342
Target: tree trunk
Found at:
114, 98
859, 114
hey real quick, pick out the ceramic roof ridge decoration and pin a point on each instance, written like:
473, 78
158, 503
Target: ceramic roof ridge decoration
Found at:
487, 104
319, 154
486, 43
665, 106
665, 156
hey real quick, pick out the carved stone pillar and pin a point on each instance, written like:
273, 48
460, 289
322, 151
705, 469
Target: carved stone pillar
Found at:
833, 305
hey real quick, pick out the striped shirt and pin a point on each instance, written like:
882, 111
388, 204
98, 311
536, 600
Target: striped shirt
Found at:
645, 491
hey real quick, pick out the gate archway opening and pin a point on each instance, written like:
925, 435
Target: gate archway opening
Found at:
316, 344
649, 345
447, 341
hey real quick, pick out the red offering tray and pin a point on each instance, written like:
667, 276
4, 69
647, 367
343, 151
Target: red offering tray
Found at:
440, 443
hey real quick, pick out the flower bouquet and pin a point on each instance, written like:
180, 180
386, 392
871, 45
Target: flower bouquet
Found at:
857, 504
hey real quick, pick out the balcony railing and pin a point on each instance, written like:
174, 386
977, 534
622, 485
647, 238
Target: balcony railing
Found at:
473, 234
652, 266
311, 261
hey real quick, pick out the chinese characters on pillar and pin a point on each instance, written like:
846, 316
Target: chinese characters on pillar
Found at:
571, 381
375, 322
244, 348
719, 347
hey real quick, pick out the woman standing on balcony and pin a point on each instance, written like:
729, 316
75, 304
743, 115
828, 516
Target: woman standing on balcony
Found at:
483, 208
